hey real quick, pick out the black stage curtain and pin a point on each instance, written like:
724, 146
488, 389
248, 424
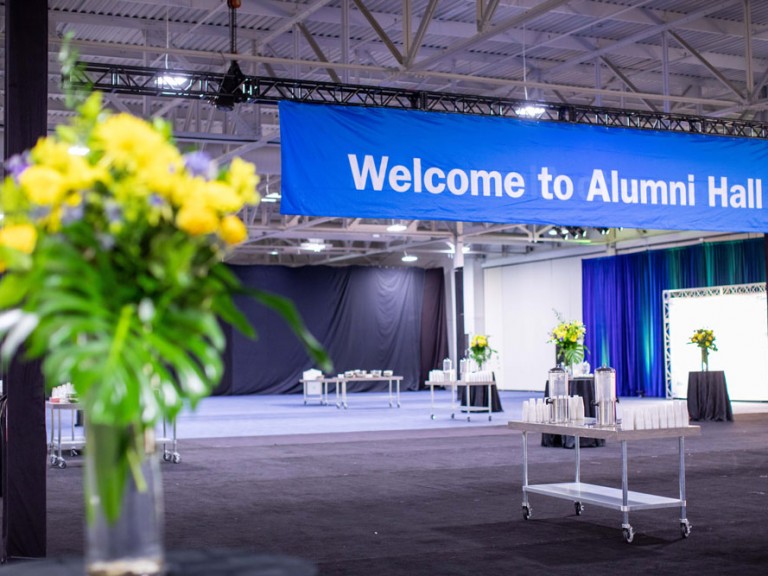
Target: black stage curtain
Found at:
434, 325
366, 318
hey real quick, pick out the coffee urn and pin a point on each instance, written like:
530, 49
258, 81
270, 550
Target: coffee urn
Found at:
605, 396
558, 395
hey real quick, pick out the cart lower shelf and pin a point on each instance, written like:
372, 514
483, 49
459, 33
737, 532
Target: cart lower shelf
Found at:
604, 496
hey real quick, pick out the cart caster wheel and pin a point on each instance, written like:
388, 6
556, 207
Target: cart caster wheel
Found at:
74, 453
176, 458
527, 512
490, 418
166, 457
52, 460
62, 464
469, 419
629, 534
453, 416
685, 528
579, 508
431, 416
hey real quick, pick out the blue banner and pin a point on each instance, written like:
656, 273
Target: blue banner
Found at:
382, 163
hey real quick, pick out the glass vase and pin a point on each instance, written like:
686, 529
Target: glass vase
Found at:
704, 360
124, 503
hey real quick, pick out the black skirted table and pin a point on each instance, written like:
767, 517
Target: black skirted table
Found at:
708, 396
585, 388
187, 563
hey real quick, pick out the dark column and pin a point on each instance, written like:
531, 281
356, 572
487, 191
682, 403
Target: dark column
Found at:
24, 451
461, 338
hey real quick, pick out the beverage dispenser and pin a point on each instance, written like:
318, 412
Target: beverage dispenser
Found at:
558, 395
605, 396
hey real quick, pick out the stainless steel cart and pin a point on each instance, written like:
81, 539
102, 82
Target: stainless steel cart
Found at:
57, 444
621, 499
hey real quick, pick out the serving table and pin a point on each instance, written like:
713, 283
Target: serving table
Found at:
455, 404
341, 387
621, 499
57, 444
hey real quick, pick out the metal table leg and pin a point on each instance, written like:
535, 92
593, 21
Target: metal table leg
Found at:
527, 510
577, 449
626, 527
685, 526
432, 401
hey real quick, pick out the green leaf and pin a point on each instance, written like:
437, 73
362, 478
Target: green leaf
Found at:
229, 313
13, 289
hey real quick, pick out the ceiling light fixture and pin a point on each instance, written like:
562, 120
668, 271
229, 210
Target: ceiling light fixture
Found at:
409, 258
169, 80
397, 226
528, 110
314, 245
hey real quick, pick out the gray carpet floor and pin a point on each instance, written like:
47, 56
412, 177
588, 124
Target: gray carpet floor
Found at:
447, 501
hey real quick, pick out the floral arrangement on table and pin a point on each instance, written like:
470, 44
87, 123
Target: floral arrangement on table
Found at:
113, 244
480, 350
705, 340
568, 338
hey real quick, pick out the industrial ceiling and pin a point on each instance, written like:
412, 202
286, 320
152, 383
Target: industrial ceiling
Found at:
663, 58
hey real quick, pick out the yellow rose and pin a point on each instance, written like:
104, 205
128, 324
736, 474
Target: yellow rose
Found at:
242, 177
197, 219
221, 197
21, 237
42, 185
232, 230
131, 143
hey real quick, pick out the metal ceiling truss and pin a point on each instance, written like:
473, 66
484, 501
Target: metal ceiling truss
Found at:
211, 87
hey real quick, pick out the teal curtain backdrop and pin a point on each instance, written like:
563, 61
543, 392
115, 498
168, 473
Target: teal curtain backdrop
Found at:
623, 307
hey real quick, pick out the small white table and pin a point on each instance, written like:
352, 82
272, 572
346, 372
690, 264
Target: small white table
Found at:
57, 444
455, 404
341, 388
621, 499
389, 379
323, 382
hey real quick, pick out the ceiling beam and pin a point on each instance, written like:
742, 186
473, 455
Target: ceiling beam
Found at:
710, 6
504, 25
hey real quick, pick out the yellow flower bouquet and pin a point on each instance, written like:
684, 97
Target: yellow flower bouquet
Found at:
480, 350
112, 245
705, 340
568, 338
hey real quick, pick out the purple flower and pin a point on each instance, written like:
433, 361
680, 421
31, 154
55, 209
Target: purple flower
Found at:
72, 214
155, 200
200, 164
113, 212
16, 164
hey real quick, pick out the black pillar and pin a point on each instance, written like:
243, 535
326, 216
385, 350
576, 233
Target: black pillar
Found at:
24, 449
461, 338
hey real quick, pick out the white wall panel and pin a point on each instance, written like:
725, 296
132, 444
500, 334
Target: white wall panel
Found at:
519, 304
